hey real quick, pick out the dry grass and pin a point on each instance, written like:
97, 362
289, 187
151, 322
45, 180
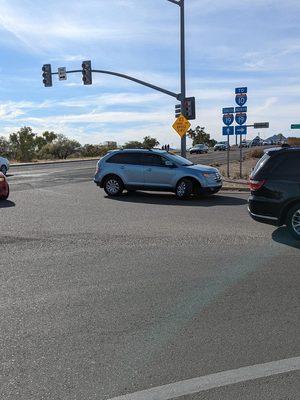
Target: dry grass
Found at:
293, 141
248, 165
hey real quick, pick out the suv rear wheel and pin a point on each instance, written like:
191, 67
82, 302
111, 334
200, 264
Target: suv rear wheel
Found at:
293, 221
113, 186
184, 189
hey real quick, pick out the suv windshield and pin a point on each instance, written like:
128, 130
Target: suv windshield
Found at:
179, 160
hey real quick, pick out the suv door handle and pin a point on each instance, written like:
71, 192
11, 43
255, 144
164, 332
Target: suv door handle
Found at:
149, 169
122, 167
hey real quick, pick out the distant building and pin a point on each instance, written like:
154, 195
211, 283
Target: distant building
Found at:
277, 139
110, 144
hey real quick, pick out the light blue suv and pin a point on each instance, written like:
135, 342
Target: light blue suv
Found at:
158, 170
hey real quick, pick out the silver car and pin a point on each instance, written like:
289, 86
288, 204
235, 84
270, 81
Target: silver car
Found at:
4, 165
154, 170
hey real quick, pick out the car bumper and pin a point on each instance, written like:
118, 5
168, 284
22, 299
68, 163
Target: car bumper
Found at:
257, 211
210, 189
4, 190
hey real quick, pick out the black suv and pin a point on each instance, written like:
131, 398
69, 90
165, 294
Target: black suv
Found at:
275, 189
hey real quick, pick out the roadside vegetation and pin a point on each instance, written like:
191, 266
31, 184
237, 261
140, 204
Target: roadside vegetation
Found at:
25, 145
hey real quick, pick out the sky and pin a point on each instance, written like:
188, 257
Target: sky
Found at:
229, 43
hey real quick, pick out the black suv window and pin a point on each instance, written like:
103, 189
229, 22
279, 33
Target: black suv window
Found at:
287, 165
125, 158
152, 159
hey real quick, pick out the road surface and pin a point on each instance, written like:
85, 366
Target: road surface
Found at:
105, 297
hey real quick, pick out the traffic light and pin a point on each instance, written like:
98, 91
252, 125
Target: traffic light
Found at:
189, 108
47, 75
86, 73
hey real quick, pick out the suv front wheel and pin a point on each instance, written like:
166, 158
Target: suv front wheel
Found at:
113, 186
293, 221
184, 189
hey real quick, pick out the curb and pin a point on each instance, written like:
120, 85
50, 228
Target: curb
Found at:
51, 162
235, 189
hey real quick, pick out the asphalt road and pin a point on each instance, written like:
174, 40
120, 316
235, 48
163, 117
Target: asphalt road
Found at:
103, 297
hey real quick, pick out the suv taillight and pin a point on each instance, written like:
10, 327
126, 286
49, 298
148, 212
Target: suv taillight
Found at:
256, 185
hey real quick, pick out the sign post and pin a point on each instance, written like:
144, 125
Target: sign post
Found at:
241, 118
228, 130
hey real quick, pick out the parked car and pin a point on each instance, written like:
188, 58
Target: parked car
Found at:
255, 143
199, 149
275, 189
221, 146
245, 143
4, 188
4, 165
139, 169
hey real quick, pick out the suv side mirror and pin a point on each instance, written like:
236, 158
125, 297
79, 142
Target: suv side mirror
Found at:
169, 164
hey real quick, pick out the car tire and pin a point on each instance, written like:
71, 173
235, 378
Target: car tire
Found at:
293, 221
3, 169
6, 196
184, 189
113, 186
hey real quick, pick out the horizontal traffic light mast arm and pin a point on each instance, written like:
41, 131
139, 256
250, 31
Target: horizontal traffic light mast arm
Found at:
168, 92
159, 89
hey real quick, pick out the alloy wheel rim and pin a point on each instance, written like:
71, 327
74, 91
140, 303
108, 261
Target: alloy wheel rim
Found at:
112, 186
181, 189
296, 222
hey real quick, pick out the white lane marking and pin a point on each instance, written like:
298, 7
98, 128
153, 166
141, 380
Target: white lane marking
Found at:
196, 385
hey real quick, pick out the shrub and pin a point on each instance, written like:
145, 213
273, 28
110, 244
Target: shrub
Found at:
256, 153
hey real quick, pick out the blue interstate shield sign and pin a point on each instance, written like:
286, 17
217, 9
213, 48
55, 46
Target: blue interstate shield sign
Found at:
241, 118
241, 99
228, 130
241, 130
228, 119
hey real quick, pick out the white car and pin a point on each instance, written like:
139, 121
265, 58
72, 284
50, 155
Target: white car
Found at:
4, 165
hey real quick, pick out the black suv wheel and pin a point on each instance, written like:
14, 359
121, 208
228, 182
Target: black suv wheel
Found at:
184, 189
293, 221
113, 186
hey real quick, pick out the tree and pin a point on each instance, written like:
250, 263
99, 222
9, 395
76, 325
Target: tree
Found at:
199, 136
61, 148
23, 144
134, 144
150, 142
4, 147
49, 136
46, 138
64, 147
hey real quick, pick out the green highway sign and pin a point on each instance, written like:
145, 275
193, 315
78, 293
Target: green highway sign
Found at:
295, 126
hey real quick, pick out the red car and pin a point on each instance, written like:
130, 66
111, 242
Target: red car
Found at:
4, 188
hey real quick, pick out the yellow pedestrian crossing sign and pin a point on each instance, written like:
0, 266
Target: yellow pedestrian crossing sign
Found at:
181, 125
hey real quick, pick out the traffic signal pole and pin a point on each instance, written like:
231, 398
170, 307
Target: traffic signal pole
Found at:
182, 68
47, 73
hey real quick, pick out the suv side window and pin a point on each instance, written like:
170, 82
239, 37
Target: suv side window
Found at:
153, 160
125, 158
287, 166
